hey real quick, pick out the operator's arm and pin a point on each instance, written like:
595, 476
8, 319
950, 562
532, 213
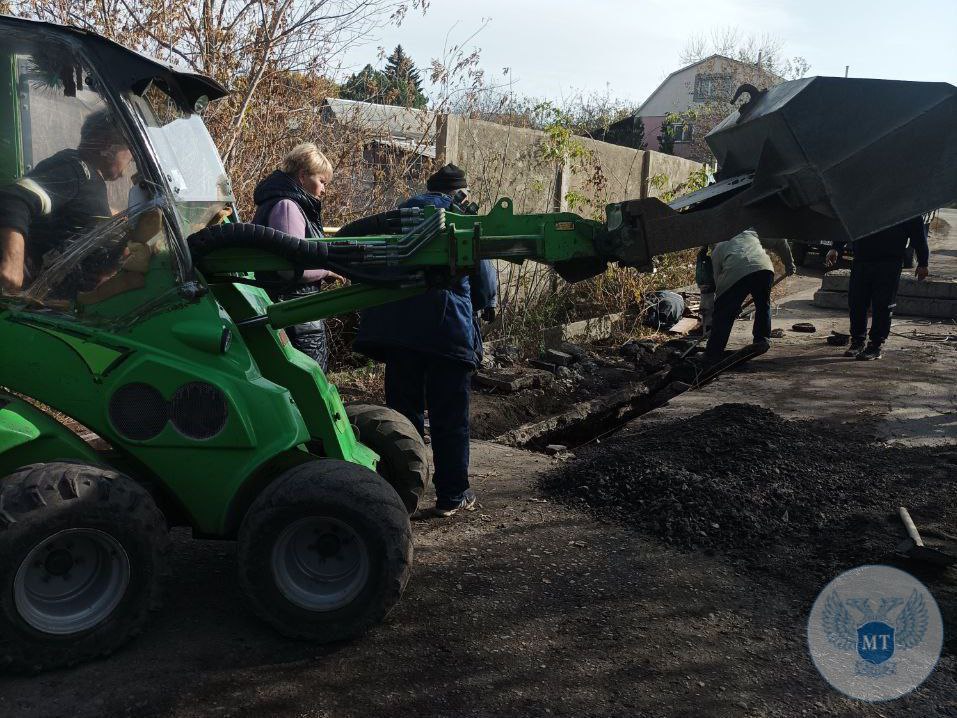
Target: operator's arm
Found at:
781, 248
18, 206
12, 260
42, 192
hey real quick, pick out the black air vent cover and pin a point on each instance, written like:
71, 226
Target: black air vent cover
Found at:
199, 410
138, 411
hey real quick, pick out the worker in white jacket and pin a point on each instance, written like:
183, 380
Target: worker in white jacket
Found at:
742, 267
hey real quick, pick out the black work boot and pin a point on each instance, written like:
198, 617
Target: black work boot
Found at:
871, 352
857, 346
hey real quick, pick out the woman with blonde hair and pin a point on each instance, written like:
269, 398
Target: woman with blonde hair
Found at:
290, 200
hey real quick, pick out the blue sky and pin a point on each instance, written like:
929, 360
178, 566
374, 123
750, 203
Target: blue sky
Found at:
559, 48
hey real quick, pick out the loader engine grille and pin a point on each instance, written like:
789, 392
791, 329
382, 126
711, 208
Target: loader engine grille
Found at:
199, 410
138, 411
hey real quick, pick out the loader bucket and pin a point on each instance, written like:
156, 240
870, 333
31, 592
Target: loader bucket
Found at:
837, 158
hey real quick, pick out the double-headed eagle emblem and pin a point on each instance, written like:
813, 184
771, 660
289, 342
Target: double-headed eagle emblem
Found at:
855, 624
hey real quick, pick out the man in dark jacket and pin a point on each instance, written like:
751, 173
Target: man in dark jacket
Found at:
58, 202
431, 344
875, 277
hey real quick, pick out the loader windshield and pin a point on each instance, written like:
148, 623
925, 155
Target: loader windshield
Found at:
187, 157
83, 231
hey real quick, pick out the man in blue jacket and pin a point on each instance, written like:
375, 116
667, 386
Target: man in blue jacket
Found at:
431, 344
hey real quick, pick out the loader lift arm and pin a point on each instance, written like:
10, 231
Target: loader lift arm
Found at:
787, 169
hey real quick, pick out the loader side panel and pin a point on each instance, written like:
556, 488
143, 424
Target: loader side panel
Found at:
29, 436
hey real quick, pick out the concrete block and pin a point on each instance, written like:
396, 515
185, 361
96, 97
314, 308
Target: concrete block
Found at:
906, 306
584, 331
930, 288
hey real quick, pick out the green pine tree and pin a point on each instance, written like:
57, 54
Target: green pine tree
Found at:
367, 85
404, 86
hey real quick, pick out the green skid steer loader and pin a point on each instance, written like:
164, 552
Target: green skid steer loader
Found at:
130, 312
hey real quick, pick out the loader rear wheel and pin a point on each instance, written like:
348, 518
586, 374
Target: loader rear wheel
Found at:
82, 551
403, 459
325, 551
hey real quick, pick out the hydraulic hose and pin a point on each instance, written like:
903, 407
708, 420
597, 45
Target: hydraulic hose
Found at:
391, 222
302, 253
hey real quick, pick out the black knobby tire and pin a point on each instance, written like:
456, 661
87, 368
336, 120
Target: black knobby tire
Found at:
404, 460
64, 508
365, 508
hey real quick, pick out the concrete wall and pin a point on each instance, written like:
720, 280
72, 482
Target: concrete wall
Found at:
503, 161
500, 161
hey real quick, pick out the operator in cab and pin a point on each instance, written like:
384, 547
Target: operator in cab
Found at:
431, 344
63, 197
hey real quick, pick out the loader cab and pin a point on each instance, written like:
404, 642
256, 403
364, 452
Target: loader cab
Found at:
105, 168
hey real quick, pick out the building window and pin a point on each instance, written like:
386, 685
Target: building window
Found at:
682, 132
712, 87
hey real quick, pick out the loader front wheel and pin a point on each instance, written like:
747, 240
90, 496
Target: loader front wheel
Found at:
403, 458
325, 551
82, 551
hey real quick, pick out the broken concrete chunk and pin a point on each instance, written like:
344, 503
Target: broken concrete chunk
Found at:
557, 357
512, 380
542, 364
576, 351
553, 449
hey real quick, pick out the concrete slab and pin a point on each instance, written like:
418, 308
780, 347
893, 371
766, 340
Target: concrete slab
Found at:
931, 288
906, 306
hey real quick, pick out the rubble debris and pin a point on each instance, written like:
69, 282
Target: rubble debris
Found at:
554, 356
508, 381
637, 347
506, 354
804, 328
553, 449
777, 333
838, 339
684, 325
544, 365
576, 351
740, 479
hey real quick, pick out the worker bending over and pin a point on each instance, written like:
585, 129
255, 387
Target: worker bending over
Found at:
742, 267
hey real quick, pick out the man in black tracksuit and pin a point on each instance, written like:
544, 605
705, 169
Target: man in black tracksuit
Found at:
875, 276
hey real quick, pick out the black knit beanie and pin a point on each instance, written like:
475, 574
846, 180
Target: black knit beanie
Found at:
447, 180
